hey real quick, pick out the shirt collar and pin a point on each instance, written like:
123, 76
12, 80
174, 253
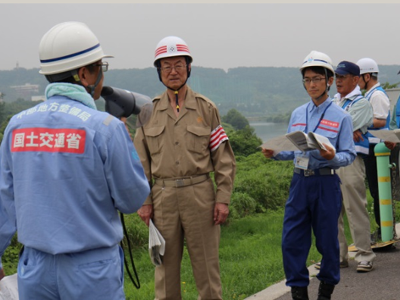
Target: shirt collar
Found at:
322, 105
352, 94
375, 86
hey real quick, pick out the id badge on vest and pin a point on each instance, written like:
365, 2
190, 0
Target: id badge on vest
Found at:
302, 161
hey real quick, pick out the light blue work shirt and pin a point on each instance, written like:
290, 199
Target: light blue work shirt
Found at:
66, 171
328, 120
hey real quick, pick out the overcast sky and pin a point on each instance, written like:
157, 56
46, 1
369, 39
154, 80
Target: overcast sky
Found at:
218, 35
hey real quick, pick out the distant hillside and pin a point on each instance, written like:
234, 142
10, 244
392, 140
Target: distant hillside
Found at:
256, 91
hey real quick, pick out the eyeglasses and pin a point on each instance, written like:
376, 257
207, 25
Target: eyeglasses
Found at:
178, 68
103, 65
313, 80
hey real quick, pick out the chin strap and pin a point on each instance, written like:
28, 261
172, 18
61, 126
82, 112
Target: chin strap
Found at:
366, 82
176, 99
327, 86
92, 87
176, 94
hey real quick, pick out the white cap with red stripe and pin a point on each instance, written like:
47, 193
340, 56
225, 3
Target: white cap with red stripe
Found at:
171, 46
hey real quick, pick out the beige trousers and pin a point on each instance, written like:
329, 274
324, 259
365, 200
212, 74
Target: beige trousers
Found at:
355, 206
187, 213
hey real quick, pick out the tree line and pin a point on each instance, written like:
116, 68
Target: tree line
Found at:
263, 92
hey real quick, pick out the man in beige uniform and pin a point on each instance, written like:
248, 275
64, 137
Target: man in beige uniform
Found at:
179, 146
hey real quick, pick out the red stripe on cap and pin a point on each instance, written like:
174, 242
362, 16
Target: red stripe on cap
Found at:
160, 50
181, 47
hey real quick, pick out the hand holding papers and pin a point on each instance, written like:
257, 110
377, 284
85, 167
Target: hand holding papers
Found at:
156, 245
297, 140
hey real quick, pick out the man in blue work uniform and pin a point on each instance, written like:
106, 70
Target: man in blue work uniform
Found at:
314, 198
66, 171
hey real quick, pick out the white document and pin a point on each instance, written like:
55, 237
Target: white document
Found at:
156, 245
387, 135
319, 140
297, 140
9, 288
279, 144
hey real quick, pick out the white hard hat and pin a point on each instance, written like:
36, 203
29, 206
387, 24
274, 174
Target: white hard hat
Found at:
368, 65
68, 46
317, 59
171, 46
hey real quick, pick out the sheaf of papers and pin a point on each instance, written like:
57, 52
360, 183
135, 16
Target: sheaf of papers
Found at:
9, 288
318, 141
297, 140
278, 144
387, 135
156, 245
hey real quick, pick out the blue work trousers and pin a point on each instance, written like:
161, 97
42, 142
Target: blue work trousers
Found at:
314, 203
90, 275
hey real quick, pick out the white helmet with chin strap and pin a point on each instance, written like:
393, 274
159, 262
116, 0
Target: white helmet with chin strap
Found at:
367, 65
318, 59
172, 46
65, 48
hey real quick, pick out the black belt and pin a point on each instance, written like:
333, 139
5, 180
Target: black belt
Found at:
316, 172
181, 182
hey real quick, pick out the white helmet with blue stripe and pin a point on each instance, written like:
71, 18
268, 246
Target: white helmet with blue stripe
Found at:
68, 46
317, 59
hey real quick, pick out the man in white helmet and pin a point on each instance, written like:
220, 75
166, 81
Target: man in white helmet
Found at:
66, 171
315, 199
381, 108
181, 144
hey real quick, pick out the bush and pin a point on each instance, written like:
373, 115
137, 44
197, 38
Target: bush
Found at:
243, 205
244, 142
11, 256
266, 181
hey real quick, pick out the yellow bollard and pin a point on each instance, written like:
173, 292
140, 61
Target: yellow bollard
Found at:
382, 154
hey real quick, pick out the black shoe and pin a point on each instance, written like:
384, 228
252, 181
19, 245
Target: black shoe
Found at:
299, 293
325, 291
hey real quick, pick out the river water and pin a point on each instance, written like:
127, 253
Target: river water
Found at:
266, 131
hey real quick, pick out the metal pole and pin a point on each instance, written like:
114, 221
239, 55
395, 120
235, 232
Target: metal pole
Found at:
382, 154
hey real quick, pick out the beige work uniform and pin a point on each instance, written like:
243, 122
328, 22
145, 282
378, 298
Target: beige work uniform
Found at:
173, 149
355, 206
